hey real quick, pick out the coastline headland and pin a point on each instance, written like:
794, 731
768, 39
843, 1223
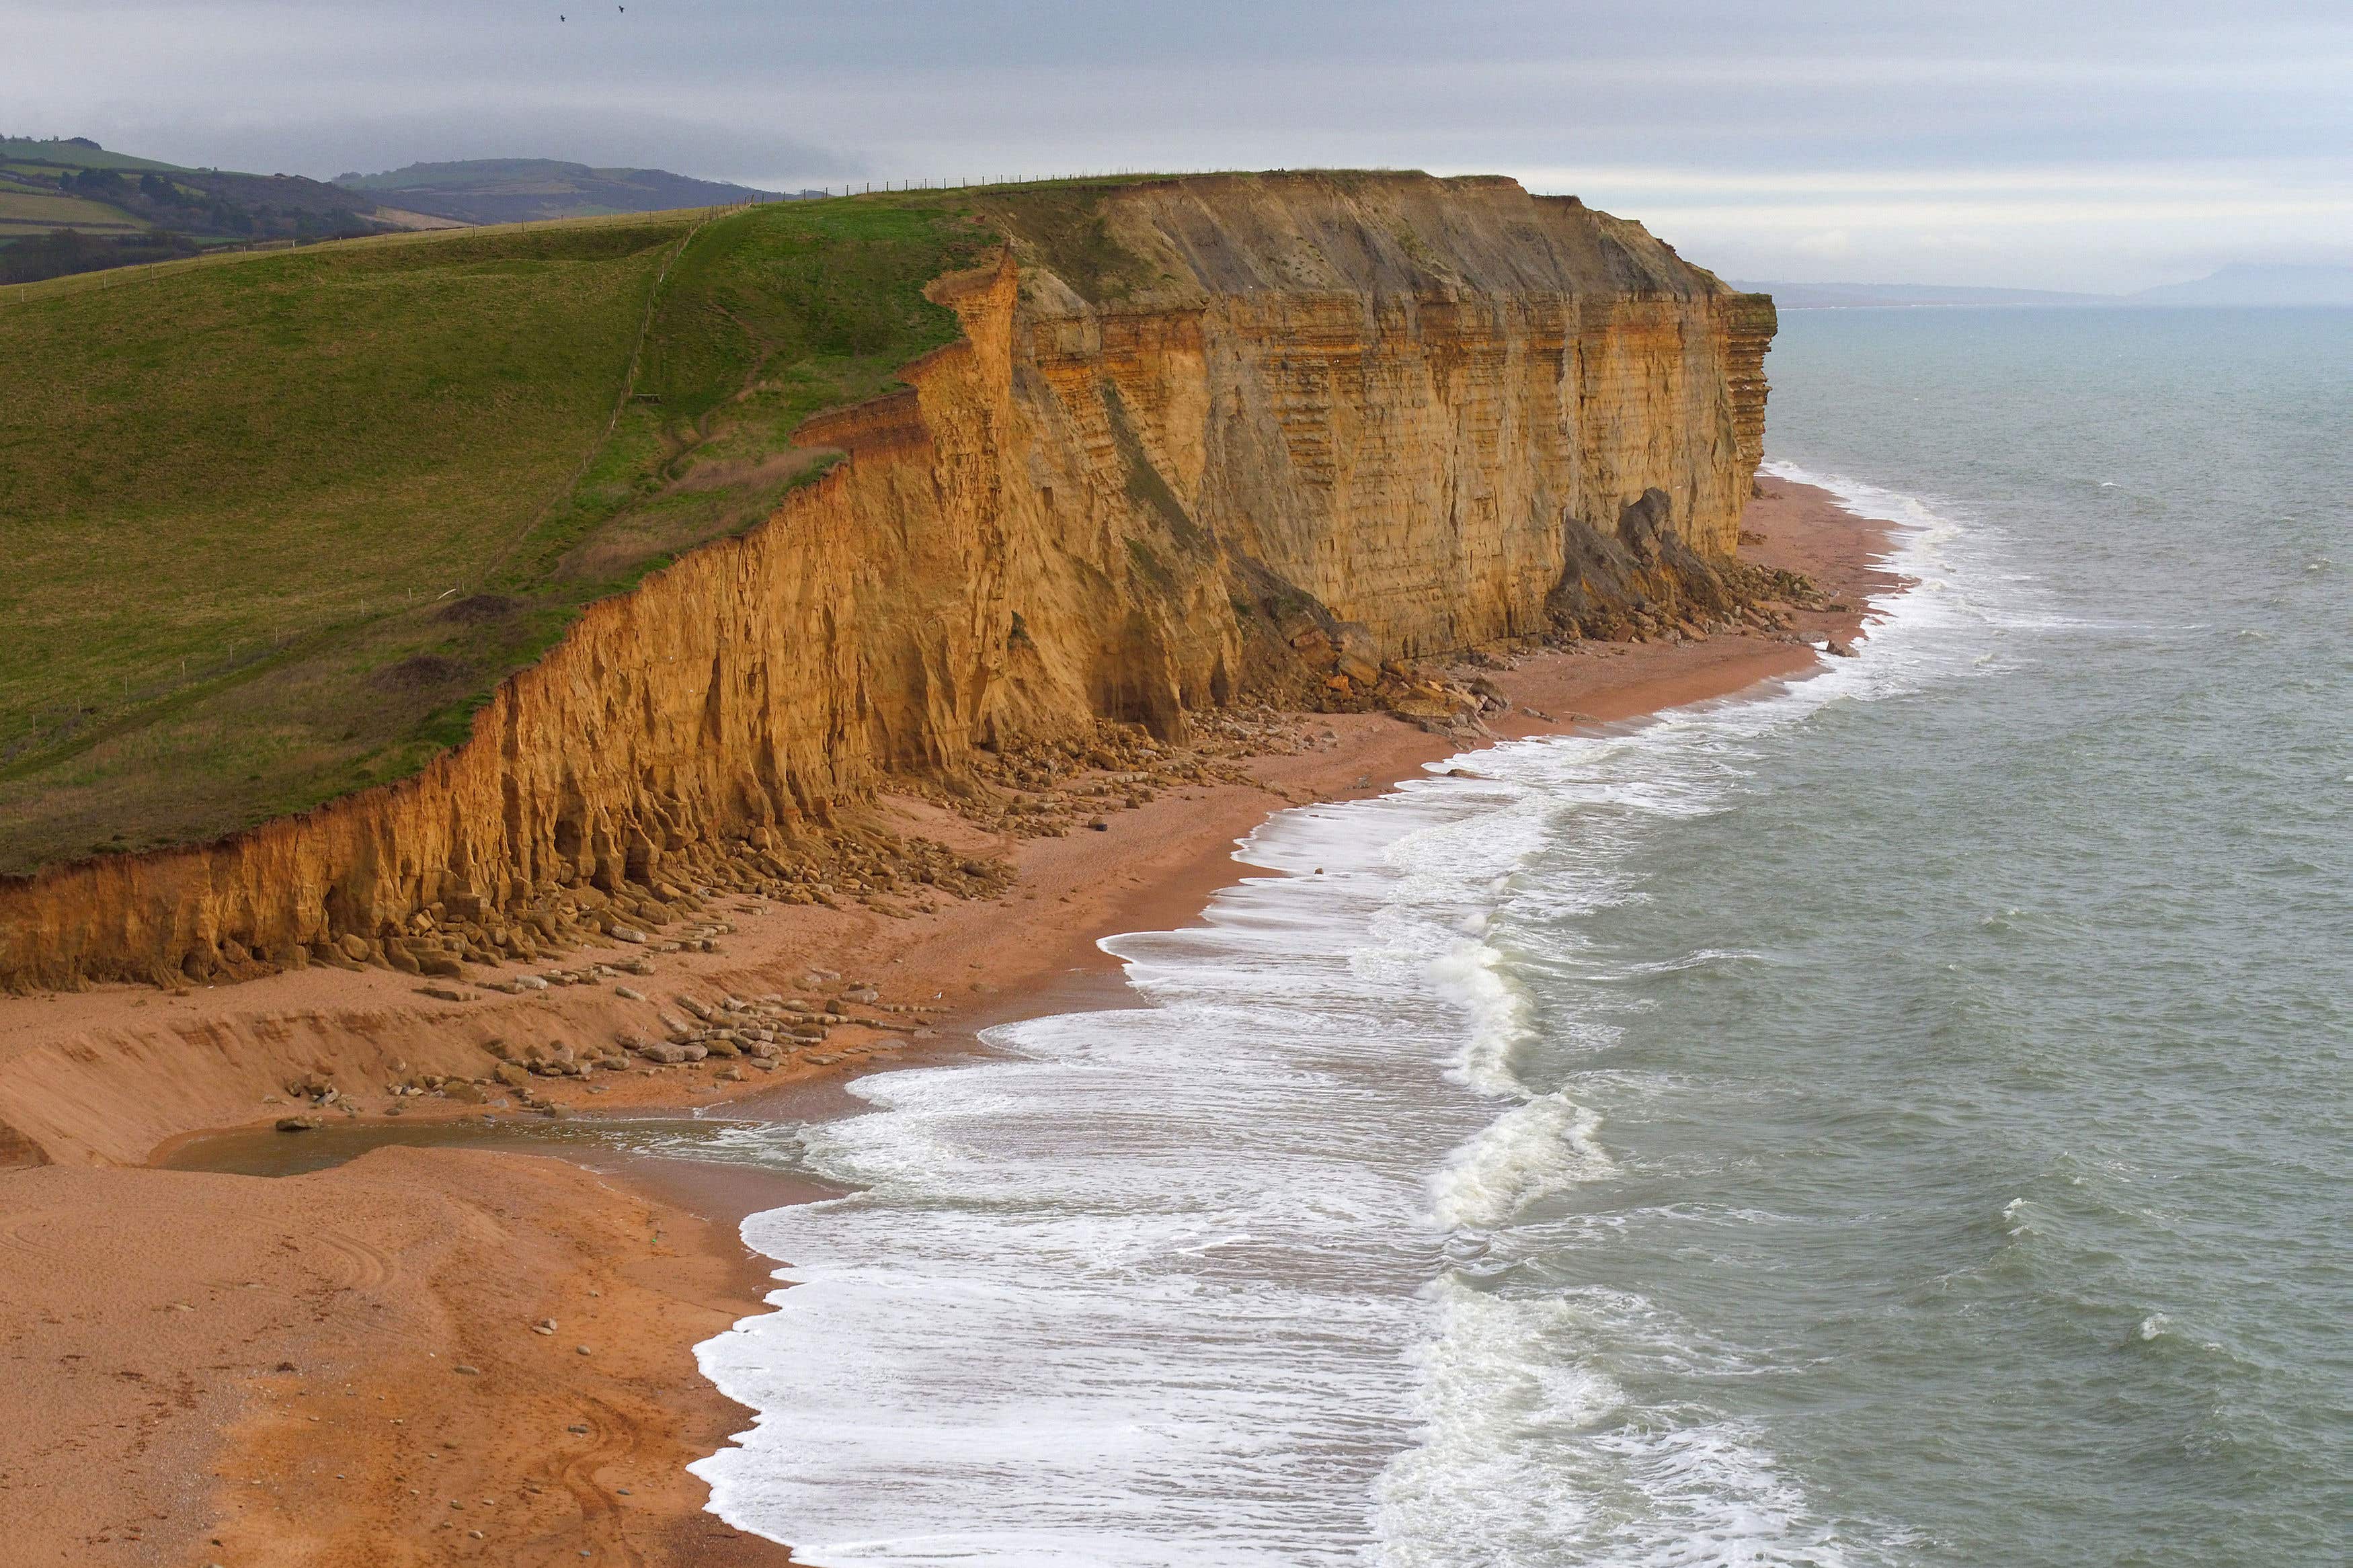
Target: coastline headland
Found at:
1236, 494
1201, 440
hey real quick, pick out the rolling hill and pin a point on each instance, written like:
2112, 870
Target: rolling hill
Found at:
120, 209
525, 190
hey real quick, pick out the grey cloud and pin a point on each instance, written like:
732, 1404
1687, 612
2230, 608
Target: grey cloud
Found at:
1585, 95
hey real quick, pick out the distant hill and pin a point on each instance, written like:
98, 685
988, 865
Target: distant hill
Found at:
156, 192
79, 152
526, 190
68, 205
1850, 295
2246, 284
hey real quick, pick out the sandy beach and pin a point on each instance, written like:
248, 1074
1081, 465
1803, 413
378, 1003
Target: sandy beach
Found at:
347, 1366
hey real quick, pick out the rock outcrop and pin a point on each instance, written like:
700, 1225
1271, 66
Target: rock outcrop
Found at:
1202, 438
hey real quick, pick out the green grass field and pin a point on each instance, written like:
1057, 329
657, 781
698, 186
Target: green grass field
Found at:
277, 524
32, 212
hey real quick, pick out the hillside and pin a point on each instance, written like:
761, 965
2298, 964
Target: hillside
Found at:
285, 522
279, 522
76, 152
526, 190
122, 210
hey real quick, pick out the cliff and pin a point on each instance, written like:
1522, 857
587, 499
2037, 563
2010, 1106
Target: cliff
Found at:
1201, 438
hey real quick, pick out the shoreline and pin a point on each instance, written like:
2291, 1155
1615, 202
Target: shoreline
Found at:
366, 1275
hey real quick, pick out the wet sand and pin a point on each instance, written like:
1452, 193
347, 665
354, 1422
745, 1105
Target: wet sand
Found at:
244, 1370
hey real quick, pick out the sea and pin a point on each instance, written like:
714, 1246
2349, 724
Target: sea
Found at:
1897, 1116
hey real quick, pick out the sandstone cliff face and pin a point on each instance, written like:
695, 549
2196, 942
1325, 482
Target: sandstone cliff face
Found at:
1197, 428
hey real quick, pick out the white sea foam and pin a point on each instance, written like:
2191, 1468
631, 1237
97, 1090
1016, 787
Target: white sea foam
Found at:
1534, 1454
1137, 1295
1533, 1150
1228, 1279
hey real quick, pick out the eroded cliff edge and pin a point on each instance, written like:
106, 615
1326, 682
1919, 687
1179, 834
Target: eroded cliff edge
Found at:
1203, 438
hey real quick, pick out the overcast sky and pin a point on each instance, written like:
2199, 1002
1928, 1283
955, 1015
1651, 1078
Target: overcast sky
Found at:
2060, 143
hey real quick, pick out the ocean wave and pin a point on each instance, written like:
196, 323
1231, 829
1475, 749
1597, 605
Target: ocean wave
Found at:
1533, 1451
1468, 975
1530, 1151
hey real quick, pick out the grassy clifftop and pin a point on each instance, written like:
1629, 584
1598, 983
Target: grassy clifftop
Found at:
276, 525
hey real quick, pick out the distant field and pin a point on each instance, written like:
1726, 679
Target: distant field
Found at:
277, 524
24, 212
126, 198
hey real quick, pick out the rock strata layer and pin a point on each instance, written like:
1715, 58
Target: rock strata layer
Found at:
1202, 439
